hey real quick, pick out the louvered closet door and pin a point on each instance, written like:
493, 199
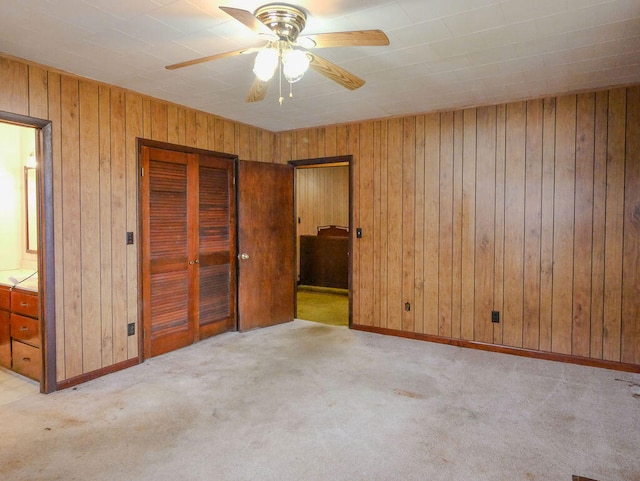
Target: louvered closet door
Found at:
187, 209
216, 250
168, 286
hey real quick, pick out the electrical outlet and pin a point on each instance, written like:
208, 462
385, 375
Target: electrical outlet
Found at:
495, 316
129, 238
131, 329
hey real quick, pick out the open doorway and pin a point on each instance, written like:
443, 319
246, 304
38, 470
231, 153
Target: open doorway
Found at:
323, 239
27, 340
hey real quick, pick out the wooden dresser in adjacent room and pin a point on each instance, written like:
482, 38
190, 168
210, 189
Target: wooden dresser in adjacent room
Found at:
20, 332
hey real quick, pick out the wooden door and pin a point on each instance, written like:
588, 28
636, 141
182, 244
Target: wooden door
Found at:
216, 279
266, 233
187, 240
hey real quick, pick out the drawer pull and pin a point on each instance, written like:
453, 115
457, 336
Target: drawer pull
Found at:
24, 304
26, 359
24, 328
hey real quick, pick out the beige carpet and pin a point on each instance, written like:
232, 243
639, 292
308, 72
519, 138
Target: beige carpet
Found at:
310, 402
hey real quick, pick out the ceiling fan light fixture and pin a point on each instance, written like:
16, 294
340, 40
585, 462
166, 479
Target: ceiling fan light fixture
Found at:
265, 64
294, 64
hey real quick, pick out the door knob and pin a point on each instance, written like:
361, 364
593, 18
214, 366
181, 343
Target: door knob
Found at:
244, 256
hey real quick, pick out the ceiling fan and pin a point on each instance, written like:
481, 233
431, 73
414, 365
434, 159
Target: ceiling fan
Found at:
280, 24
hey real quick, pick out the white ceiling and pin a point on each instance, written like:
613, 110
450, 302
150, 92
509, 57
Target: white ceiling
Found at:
443, 53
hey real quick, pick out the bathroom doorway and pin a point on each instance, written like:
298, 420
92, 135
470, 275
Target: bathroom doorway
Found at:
27, 342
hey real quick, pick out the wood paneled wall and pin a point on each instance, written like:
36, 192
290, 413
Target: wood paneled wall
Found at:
95, 127
322, 198
528, 208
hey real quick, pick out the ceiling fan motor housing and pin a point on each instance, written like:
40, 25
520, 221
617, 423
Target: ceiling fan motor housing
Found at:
286, 21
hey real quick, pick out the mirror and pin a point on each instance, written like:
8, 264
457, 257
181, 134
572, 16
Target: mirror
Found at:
31, 209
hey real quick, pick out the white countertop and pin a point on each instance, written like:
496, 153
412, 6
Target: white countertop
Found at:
19, 278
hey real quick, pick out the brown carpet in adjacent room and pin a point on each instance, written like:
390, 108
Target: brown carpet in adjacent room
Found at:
323, 304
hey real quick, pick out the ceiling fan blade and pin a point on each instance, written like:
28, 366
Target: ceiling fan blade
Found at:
335, 73
258, 90
249, 20
354, 38
209, 58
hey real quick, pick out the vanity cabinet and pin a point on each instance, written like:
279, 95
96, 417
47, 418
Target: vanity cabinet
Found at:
5, 329
20, 332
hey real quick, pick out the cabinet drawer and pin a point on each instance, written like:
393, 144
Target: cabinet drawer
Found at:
26, 360
25, 303
25, 329
4, 298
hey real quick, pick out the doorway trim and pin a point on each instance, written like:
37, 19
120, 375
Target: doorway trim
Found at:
46, 260
323, 161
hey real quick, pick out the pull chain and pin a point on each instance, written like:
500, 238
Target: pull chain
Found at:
280, 80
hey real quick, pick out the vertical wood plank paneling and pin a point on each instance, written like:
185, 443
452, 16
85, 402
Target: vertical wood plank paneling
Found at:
229, 137
182, 126
71, 226
211, 133
585, 130
485, 229
377, 223
314, 148
353, 148
173, 134
384, 225
563, 228
631, 254
469, 153
431, 224
191, 134
418, 302
106, 227
408, 222
301, 144
614, 225
456, 269
219, 135
498, 283
330, 141
146, 118
202, 125
575, 195
599, 208
546, 234
134, 129
394, 224
38, 102
14, 81
366, 203
245, 148
55, 115
532, 227
342, 141
514, 224
90, 225
120, 289
159, 121
445, 222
